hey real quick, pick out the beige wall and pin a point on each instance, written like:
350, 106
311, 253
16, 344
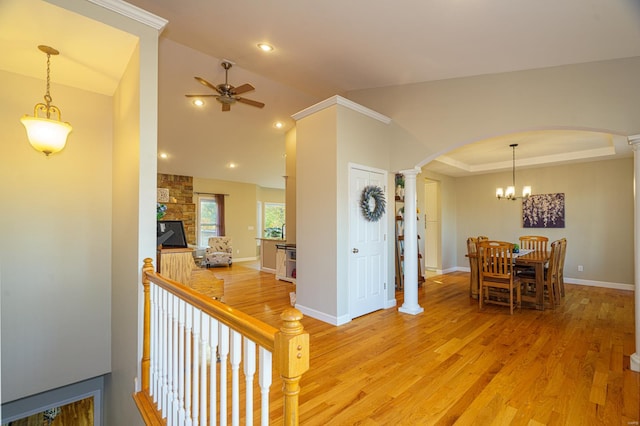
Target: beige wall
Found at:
290, 185
316, 207
328, 141
598, 209
55, 251
240, 210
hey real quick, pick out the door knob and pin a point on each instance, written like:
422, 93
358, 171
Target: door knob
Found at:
355, 250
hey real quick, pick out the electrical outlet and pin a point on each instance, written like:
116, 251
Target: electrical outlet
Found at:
237, 251
580, 268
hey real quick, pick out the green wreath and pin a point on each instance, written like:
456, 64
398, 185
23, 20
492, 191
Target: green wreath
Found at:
372, 203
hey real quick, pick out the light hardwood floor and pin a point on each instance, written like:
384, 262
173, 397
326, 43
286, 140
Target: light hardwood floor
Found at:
454, 364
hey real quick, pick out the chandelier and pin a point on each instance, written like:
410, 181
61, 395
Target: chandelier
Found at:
47, 135
510, 193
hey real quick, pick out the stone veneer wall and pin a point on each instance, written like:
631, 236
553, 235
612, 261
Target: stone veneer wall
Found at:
180, 205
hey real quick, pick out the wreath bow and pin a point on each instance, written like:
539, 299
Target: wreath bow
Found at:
372, 203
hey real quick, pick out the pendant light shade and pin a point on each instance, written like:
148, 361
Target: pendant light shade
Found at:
46, 134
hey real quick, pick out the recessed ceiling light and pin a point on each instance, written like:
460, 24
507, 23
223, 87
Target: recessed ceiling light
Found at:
232, 165
198, 102
265, 47
164, 155
278, 125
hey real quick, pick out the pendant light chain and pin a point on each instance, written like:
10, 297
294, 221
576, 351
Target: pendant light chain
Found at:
47, 96
513, 169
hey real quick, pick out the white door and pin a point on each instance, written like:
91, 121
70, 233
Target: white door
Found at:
367, 249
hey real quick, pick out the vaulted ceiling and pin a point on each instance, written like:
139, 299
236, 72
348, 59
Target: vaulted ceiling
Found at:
321, 48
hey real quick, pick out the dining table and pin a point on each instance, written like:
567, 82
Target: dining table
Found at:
537, 260
531, 258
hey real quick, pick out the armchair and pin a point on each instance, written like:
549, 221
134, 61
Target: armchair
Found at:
219, 252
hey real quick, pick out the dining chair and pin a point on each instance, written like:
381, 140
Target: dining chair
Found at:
534, 242
472, 254
531, 242
560, 277
550, 280
497, 279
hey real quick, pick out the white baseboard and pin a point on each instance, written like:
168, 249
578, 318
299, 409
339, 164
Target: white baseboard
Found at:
569, 280
390, 303
244, 259
329, 319
617, 286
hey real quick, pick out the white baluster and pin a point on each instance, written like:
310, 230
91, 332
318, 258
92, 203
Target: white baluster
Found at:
187, 365
175, 407
249, 372
224, 352
181, 361
236, 357
204, 333
159, 349
163, 354
195, 386
213, 379
264, 379
168, 409
153, 388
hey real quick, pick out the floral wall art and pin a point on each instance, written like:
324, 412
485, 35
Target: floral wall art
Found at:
543, 211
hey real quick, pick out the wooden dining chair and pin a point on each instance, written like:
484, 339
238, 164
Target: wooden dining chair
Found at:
550, 280
472, 254
560, 277
497, 279
534, 242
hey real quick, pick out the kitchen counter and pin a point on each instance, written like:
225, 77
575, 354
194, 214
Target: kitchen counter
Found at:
268, 253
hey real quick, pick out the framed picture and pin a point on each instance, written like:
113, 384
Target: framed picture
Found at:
163, 195
543, 211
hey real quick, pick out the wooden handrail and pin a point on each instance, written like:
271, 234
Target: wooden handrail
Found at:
261, 333
290, 344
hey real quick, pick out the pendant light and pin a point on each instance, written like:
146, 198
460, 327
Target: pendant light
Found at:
47, 135
510, 193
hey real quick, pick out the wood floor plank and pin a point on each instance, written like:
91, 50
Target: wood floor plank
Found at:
456, 364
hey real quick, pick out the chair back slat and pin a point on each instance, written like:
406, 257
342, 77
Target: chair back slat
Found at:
497, 280
534, 242
495, 258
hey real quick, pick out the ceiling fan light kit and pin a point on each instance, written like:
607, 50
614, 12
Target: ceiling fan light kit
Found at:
510, 193
227, 94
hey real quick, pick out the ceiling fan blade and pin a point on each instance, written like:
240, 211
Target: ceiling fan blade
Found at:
226, 107
250, 102
243, 89
206, 83
202, 96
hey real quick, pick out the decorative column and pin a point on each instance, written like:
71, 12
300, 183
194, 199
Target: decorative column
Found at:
634, 141
410, 305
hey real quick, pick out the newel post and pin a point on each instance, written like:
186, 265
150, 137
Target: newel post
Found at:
292, 351
146, 338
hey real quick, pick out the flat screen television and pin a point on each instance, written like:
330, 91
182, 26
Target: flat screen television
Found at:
171, 234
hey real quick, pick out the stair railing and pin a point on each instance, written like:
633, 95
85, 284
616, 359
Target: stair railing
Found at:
191, 342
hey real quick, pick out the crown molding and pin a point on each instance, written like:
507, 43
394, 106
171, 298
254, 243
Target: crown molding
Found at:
339, 100
133, 12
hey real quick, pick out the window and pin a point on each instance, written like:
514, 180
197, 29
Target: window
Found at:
274, 220
210, 218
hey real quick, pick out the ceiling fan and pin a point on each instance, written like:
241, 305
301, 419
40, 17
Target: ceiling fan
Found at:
226, 93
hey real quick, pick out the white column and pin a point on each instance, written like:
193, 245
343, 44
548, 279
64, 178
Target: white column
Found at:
634, 141
410, 305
